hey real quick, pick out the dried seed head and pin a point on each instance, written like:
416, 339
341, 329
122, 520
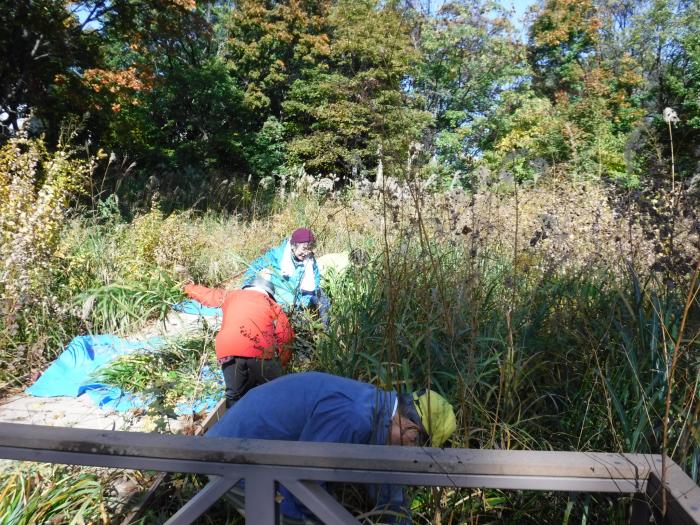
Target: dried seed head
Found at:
670, 116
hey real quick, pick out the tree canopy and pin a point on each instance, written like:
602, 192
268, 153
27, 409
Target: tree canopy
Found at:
201, 90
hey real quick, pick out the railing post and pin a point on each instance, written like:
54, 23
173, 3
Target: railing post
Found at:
641, 510
682, 494
201, 502
260, 507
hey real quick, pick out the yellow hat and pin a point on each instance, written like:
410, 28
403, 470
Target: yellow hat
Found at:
436, 414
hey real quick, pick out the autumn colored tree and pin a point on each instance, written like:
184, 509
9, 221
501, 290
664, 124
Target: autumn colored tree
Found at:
267, 46
273, 43
562, 37
590, 92
165, 95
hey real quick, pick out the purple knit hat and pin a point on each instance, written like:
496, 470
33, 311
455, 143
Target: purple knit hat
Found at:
302, 235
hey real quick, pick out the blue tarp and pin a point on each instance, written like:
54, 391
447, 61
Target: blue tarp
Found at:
206, 403
72, 373
194, 307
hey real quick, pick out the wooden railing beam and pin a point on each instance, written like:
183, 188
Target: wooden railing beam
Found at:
325, 455
298, 464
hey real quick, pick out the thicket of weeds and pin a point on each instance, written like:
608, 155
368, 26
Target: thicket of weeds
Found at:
531, 361
541, 313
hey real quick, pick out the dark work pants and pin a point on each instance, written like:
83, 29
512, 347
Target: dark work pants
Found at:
243, 373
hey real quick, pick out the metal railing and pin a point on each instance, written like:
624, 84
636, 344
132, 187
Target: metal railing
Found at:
300, 465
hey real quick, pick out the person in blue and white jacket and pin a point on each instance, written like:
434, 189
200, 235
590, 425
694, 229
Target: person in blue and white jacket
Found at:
293, 271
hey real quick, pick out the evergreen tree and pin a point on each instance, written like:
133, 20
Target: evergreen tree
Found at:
341, 115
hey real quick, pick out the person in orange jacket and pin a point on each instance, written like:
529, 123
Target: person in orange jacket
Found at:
255, 337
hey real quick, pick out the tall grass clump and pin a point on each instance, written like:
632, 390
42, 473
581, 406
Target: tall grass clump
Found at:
535, 351
567, 363
36, 189
122, 307
52, 494
124, 274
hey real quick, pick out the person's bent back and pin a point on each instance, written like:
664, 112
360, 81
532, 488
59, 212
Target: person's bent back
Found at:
315, 406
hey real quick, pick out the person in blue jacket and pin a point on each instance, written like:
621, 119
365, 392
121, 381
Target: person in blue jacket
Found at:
315, 406
294, 272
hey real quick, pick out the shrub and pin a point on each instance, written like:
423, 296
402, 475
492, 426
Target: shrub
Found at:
36, 187
124, 306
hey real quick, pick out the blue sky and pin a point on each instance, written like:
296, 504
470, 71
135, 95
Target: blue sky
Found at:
520, 8
520, 5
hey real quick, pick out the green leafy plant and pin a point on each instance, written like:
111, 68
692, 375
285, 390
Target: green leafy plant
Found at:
40, 494
121, 307
181, 371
